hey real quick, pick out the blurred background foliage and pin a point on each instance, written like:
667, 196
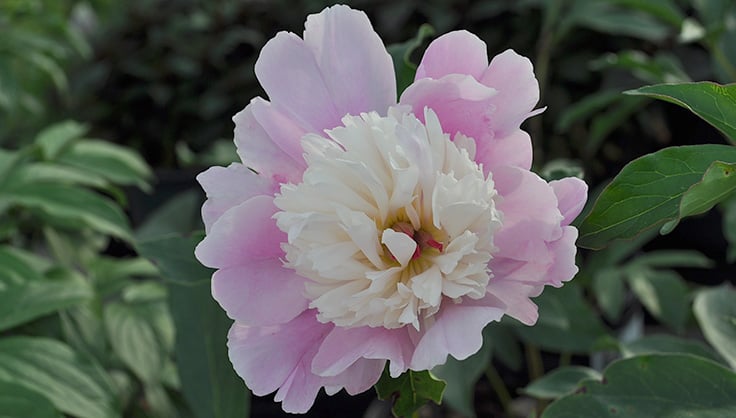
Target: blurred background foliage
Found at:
108, 110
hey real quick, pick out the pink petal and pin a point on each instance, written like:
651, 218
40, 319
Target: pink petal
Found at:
358, 72
571, 196
359, 377
460, 102
530, 215
457, 331
282, 131
229, 187
288, 71
514, 150
458, 52
260, 292
244, 233
344, 346
279, 357
518, 90
563, 267
516, 297
259, 151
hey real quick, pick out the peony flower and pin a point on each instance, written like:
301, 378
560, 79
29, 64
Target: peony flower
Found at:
371, 231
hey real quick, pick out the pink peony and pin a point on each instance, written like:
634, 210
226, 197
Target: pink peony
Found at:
377, 231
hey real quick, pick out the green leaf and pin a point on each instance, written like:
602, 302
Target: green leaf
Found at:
729, 228
159, 402
655, 385
713, 102
647, 192
50, 367
717, 185
663, 343
55, 138
14, 268
603, 16
401, 55
585, 108
664, 294
109, 274
409, 391
715, 310
208, 382
610, 292
662, 68
34, 298
671, 259
71, 206
17, 401
461, 377
174, 255
559, 382
116, 163
47, 172
566, 322
133, 339
181, 214
605, 122
664, 10
82, 327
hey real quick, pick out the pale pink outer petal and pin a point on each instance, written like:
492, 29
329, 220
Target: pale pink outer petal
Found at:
460, 102
279, 357
357, 378
356, 68
518, 90
227, 187
245, 232
457, 331
260, 292
536, 248
262, 153
344, 346
340, 67
516, 297
288, 72
458, 52
492, 121
571, 194
530, 215
252, 285
515, 150
563, 267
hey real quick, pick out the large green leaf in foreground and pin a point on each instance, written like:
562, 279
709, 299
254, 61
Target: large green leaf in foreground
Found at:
656, 385
713, 102
649, 191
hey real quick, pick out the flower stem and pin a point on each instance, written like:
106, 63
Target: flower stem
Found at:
499, 387
536, 369
534, 361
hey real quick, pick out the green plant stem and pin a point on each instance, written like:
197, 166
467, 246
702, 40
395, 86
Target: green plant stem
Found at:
536, 369
498, 386
534, 362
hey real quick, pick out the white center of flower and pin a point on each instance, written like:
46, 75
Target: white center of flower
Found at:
391, 220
